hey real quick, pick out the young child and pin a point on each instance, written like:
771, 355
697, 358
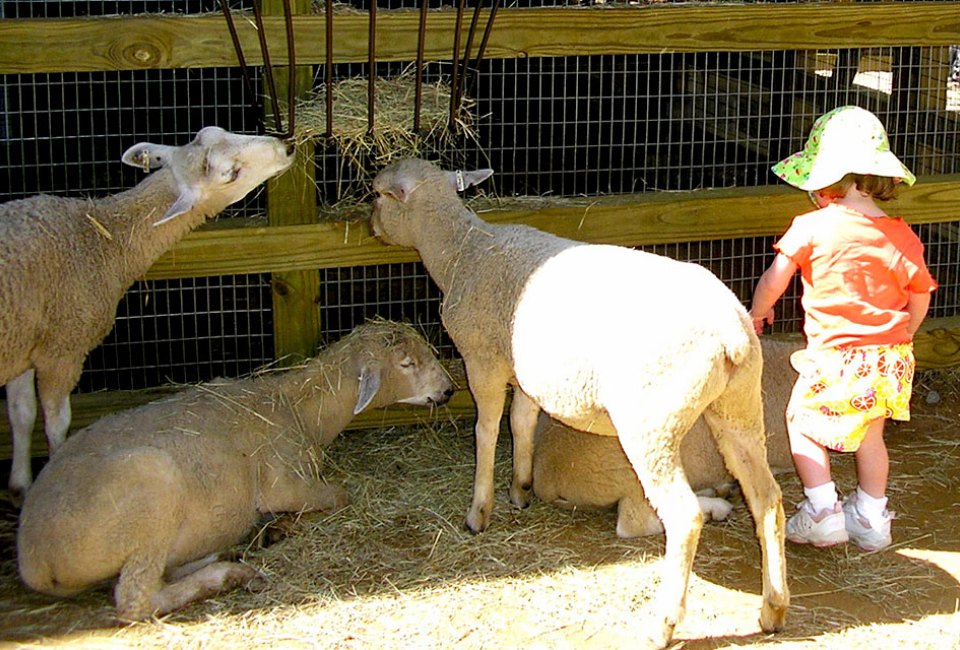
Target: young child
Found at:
866, 289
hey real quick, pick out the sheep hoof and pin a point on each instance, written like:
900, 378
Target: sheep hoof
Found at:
772, 618
520, 495
16, 496
476, 521
257, 583
715, 509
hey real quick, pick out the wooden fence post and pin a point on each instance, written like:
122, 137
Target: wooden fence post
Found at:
292, 200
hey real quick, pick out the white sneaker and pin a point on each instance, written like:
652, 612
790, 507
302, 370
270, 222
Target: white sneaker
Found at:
824, 528
866, 536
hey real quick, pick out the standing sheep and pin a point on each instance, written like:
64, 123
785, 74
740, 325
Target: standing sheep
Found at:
581, 470
65, 263
606, 339
161, 487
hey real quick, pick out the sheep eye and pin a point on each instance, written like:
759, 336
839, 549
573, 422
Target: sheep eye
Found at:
233, 174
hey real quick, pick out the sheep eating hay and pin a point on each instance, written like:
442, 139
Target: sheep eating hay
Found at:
606, 339
582, 470
65, 263
161, 487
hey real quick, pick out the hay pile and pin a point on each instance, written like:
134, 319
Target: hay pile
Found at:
392, 136
396, 569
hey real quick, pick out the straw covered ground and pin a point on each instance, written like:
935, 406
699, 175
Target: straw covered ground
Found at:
397, 570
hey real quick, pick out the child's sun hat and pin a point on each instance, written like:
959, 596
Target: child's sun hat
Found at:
847, 140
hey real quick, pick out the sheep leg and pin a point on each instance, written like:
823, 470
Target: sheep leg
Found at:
22, 411
489, 397
523, 420
741, 443
654, 452
141, 592
54, 384
286, 493
140, 579
208, 581
635, 517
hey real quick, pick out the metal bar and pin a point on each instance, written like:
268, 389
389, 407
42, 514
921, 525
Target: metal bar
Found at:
244, 69
372, 51
328, 73
456, 64
267, 71
291, 64
486, 32
418, 93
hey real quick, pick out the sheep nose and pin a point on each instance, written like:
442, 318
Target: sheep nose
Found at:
291, 148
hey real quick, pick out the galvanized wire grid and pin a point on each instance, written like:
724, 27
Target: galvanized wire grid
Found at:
554, 127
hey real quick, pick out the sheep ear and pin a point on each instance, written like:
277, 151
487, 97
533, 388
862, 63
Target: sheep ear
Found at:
369, 385
147, 155
461, 180
184, 203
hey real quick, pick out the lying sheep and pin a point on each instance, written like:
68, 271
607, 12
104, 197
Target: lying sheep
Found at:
65, 263
606, 339
162, 487
581, 470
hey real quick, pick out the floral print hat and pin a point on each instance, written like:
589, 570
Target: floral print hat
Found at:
847, 140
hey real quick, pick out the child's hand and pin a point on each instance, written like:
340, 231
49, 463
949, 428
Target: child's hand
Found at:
760, 321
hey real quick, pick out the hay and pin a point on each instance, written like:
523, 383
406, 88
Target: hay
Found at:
392, 136
397, 569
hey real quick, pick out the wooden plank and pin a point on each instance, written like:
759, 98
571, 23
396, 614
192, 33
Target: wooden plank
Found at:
628, 220
175, 41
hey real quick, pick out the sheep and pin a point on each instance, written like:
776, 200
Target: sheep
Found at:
168, 485
581, 470
604, 338
65, 263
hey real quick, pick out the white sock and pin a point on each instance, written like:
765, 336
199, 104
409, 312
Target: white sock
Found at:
821, 497
871, 508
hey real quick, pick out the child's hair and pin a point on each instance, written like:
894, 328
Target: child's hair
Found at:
881, 188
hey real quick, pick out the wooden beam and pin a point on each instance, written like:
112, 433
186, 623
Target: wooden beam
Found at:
173, 41
628, 220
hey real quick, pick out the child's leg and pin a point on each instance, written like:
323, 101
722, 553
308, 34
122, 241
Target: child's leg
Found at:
867, 517
819, 519
811, 459
873, 462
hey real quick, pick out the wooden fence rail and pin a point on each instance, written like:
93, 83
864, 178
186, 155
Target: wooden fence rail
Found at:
170, 41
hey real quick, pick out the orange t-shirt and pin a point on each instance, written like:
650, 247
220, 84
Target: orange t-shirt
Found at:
857, 274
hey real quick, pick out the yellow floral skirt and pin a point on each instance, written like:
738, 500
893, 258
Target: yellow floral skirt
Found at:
840, 391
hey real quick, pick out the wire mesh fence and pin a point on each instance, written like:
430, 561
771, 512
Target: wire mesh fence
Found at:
563, 126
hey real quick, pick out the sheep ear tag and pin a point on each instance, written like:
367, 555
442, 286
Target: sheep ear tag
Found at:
184, 203
369, 385
461, 180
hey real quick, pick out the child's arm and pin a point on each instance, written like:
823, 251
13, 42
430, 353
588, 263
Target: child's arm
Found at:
770, 287
917, 306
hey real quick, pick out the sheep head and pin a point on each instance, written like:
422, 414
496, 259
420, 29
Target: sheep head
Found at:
399, 366
411, 187
217, 168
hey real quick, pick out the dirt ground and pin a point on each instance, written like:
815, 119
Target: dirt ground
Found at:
397, 570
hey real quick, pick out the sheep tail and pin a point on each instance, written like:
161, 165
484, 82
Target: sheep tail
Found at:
740, 340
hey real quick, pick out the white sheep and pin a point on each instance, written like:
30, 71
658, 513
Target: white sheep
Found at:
581, 470
162, 487
607, 339
65, 263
